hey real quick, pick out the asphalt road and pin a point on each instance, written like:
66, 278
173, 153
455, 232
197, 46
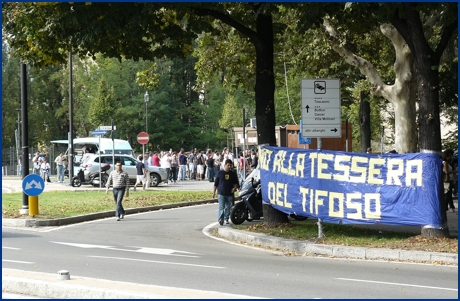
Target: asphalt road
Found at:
168, 248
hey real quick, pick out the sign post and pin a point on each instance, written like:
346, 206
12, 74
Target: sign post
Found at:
143, 138
99, 133
321, 113
33, 185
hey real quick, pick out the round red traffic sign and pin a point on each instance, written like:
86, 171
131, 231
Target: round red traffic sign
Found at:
143, 138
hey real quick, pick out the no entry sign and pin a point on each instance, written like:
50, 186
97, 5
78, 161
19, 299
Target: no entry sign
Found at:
143, 138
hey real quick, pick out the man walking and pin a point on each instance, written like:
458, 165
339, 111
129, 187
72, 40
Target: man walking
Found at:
120, 181
37, 164
60, 168
141, 173
182, 165
226, 184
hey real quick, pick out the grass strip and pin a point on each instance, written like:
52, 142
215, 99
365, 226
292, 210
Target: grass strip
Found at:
60, 204
358, 236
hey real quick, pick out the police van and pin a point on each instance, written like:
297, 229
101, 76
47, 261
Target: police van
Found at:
96, 145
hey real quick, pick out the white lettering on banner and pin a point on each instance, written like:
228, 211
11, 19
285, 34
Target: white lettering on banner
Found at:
353, 203
345, 168
277, 194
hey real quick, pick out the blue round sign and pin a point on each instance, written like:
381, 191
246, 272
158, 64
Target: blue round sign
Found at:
33, 185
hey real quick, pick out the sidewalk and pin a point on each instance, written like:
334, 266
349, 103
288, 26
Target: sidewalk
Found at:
48, 286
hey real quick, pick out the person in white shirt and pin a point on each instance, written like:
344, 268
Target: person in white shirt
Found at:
46, 170
165, 162
60, 168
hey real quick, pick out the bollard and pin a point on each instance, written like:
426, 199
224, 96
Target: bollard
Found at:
63, 275
33, 205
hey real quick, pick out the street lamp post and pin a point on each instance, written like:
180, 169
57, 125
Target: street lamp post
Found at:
18, 142
146, 99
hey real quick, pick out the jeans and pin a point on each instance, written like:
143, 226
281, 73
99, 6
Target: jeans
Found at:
173, 176
210, 171
118, 194
182, 170
168, 171
448, 199
225, 201
242, 174
60, 171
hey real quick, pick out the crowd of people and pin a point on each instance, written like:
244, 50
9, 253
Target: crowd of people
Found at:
200, 165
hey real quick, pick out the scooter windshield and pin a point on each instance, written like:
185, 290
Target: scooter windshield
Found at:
247, 184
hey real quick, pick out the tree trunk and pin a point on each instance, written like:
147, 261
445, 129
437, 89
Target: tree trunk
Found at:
265, 100
427, 75
401, 94
365, 122
273, 216
265, 81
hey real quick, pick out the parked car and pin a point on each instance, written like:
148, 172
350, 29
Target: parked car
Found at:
91, 164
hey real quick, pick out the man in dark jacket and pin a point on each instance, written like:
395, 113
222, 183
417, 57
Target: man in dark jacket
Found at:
226, 184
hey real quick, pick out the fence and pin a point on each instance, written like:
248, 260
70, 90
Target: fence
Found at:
10, 166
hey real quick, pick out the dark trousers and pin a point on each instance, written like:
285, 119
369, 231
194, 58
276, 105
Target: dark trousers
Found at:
118, 194
448, 199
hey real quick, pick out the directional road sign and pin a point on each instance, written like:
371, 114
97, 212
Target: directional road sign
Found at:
143, 138
107, 127
98, 132
321, 113
33, 185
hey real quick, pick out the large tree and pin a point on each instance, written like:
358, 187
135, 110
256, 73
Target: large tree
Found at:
43, 33
426, 29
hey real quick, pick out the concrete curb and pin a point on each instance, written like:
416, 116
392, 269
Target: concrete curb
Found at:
311, 249
46, 285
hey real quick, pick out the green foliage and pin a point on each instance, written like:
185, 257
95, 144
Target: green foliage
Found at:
232, 115
101, 108
10, 96
379, 109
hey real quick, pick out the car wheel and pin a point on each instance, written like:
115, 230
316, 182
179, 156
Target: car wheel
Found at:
154, 180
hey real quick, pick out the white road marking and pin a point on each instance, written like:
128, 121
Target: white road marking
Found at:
163, 262
9, 248
158, 251
84, 246
399, 284
17, 261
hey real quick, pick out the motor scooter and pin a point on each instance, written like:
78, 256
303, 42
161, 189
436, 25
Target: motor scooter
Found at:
92, 178
250, 207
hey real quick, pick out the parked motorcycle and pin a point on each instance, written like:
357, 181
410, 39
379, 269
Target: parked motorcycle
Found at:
92, 178
250, 207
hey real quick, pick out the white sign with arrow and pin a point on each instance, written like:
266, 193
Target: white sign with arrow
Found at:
321, 113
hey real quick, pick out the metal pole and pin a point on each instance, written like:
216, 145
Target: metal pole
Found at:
25, 136
346, 135
113, 148
244, 144
381, 140
18, 140
320, 222
71, 158
146, 129
99, 151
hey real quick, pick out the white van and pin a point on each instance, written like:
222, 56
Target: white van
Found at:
96, 145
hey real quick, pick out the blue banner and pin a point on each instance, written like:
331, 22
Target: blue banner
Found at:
353, 188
